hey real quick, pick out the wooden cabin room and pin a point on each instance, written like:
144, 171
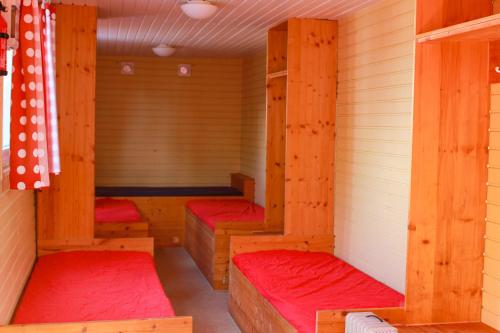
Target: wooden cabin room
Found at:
254, 166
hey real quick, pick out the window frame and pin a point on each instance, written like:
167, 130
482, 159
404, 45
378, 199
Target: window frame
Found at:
5, 152
5, 163
5, 156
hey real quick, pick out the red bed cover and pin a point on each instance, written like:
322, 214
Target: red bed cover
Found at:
92, 286
116, 210
233, 210
298, 284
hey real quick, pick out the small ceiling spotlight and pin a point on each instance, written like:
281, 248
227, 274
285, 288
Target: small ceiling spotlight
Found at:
198, 9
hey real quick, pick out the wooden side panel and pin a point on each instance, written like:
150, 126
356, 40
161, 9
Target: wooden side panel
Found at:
494, 62
310, 126
244, 184
448, 190
210, 248
121, 230
275, 162
277, 49
118, 244
245, 244
17, 247
165, 325
251, 311
200, 244
223, 234
66, 209
436, 14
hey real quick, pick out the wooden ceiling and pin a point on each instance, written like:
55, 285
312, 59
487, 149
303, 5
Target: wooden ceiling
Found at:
132, 27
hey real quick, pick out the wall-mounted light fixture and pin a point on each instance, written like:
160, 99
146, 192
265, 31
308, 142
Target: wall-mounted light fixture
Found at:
163, 50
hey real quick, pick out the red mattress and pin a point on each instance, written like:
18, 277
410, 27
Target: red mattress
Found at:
234, 210
116, 210
91, 286
298, 284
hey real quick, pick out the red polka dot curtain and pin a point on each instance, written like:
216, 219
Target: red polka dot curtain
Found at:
34, 136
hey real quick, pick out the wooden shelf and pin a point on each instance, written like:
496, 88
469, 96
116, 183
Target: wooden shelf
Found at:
277, 74
483, 29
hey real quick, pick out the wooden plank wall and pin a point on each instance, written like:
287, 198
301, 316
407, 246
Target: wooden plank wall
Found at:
448, 192
373, 143
17, 247
66, 209
253, 123
491, 283
310, 127
157, 129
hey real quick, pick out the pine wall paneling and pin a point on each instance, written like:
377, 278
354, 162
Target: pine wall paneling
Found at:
253, 123
275, 155
66, 209
448, 192
157, 129
491, 283
17, 248
373, 143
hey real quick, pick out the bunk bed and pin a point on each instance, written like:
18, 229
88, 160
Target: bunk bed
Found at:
106, 286
118, 218
211, 222
294, 284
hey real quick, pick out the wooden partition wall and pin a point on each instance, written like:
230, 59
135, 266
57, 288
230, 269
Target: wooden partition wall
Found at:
66, 209
301, 103
448, 190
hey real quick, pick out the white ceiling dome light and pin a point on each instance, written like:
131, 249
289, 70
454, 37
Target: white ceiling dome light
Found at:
198, 9
163, 50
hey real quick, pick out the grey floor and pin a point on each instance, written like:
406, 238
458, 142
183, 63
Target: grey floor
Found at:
191, 294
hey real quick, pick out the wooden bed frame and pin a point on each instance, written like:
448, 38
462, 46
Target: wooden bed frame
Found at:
210, 249
121, 229
160, 325
253, 313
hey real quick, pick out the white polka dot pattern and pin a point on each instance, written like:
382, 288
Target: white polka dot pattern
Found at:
34, 143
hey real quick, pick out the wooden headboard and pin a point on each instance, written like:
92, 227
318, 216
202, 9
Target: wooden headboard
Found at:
244, 184
117, 244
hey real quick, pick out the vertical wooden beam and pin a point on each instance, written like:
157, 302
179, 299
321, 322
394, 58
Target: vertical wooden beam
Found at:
448, 192
275, 160
66, 210
310, 127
